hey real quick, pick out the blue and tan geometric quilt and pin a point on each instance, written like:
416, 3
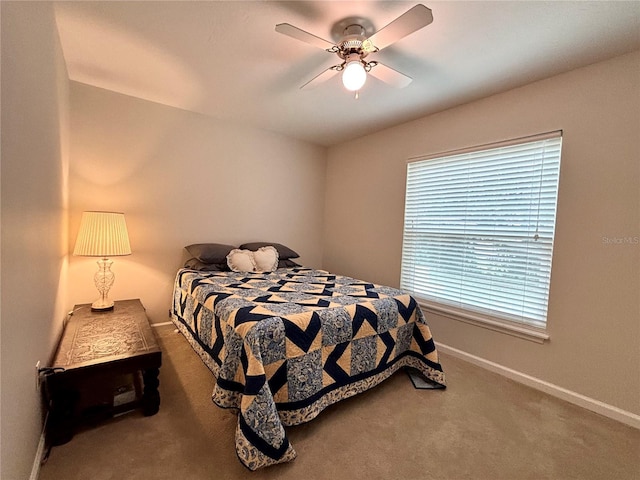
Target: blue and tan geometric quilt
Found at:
285, 345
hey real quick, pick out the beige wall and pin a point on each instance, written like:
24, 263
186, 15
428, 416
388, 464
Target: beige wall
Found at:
34, 227
183, 178
594, 311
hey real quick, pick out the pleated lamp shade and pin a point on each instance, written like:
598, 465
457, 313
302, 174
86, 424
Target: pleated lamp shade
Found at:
102, 234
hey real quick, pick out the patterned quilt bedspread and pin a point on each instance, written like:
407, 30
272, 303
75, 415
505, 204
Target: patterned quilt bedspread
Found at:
285, 345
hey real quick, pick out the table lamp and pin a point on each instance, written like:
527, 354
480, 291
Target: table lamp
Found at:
102, 234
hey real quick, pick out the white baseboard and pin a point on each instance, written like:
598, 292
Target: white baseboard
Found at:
156, 325
615, 413
35, 469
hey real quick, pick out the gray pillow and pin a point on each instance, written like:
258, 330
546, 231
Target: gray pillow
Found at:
284, 253
195, 264
210, 252
287, 264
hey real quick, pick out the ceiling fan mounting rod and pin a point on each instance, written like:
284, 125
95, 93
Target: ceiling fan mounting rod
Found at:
354, 29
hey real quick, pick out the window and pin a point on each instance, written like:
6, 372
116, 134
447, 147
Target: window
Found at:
479, 226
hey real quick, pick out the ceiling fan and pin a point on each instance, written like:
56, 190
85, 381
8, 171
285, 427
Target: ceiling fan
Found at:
356, 40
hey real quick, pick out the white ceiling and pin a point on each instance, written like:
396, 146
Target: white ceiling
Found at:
225, 60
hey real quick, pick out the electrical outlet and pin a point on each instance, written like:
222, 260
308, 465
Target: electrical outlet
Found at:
38, 375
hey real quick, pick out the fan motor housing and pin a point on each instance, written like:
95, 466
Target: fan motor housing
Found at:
350, 34
351, 42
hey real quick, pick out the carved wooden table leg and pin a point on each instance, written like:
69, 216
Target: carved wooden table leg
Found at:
150, 395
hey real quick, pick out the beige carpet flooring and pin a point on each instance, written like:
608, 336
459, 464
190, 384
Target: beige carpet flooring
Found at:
482, 426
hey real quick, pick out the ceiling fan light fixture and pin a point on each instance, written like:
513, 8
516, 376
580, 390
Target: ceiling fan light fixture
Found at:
354, 75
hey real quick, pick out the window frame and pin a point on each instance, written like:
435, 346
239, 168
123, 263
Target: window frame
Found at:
476, 316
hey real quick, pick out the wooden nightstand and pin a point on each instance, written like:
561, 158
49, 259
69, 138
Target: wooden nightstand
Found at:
99, 353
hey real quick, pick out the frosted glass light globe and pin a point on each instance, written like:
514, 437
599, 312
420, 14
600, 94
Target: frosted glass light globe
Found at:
354, 76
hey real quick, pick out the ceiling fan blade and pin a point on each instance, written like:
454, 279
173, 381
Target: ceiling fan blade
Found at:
407, 23
322, 77
390, 76
303, 36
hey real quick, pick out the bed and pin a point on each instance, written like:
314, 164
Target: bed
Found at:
285, 344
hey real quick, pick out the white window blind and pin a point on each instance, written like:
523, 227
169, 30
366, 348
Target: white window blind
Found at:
479, 227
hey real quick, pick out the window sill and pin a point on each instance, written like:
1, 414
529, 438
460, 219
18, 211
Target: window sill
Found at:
525, 332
